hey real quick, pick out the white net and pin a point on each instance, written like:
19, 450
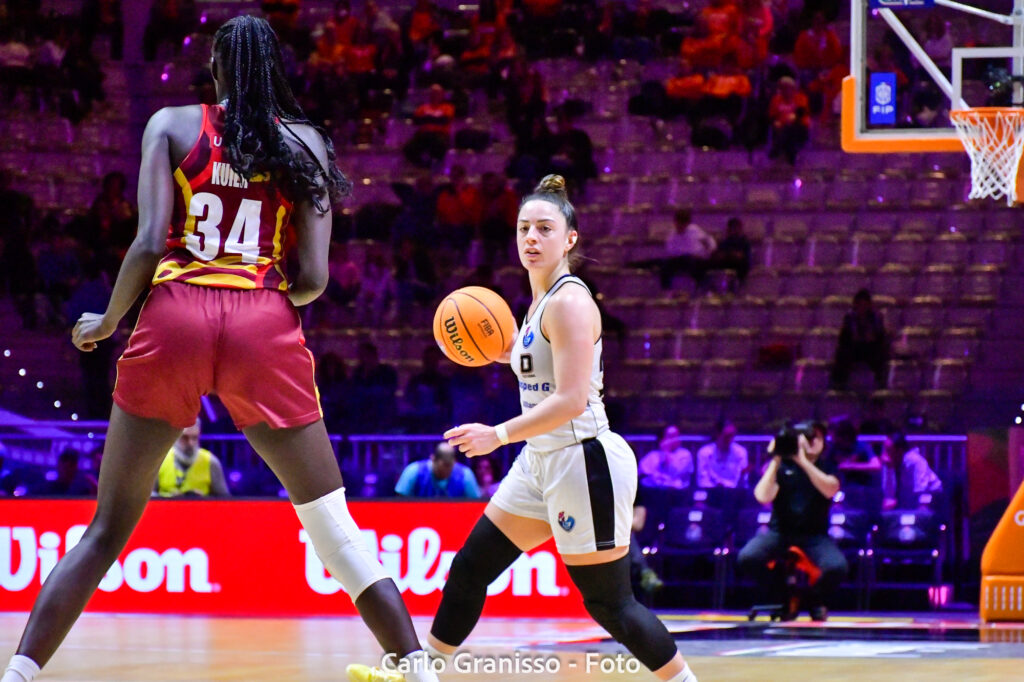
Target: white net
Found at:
994, 139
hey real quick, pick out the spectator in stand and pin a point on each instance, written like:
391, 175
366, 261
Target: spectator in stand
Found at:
500, 207
49, 76
938, 43
335, 393
683, 90
670, 466
15, 62
113, 216
343, 285
417, 220
687, 249
377, 288
189, 470
733, 252
92, 292
428, 395
59, 266
433, 136
817, 47
716, 23
531, 157
526, 103
373, 389
459, 208
859, 466
439, 476
791, 119
906, 473
573, 154
727, 88
862, 340
415, 276
84, 74
475, 62
104, 17
883, 59
169, 21
637, 32
640, 572
342, 23
486, 477
381, 26
749, 47
422, 27
722, 462
68, 480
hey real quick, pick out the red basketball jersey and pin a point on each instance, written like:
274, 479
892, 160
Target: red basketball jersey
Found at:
226, 231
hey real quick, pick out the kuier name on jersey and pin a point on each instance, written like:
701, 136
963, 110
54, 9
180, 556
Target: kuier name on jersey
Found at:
225, 176
427, 566
143, 570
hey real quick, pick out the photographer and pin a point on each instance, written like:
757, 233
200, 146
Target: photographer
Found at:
800, 489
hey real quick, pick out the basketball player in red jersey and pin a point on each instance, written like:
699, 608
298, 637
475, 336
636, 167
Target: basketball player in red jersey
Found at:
232, 182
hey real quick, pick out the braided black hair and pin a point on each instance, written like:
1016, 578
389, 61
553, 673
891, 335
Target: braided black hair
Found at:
260, 99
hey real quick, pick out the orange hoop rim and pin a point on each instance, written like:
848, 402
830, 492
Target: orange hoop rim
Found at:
986, 112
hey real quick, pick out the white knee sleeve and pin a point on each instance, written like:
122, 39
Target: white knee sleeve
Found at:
339, 544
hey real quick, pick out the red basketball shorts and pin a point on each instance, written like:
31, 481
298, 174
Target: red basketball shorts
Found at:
246, 346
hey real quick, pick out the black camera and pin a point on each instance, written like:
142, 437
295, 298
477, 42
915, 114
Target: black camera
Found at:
787, 439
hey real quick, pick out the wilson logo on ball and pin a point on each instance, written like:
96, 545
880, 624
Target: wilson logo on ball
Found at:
456, 340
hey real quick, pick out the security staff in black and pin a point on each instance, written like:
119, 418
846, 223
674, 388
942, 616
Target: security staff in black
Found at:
800, 489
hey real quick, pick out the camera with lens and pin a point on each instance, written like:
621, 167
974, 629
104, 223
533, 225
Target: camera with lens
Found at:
787, 439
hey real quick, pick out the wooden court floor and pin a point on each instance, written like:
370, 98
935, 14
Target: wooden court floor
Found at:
114, 648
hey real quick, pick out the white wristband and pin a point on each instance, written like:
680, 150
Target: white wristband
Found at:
501, 431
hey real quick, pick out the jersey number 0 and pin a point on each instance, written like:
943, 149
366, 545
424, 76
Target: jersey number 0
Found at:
243, 239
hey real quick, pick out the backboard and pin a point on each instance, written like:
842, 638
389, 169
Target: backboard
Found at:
913, 61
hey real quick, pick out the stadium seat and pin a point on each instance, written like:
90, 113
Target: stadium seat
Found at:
793, 312
907, 248
895, 280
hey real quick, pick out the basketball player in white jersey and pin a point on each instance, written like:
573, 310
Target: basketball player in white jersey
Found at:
575, 479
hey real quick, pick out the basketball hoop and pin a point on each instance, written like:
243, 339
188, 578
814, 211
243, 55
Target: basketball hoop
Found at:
994, 139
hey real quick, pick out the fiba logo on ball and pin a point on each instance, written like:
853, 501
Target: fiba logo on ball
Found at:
566, 522
528, 338
485, 327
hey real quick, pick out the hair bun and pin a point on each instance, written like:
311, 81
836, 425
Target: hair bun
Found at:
551, 184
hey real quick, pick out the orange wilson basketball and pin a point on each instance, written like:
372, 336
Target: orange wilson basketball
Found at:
473, 326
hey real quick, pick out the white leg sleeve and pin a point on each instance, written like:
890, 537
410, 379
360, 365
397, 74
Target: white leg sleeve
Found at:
339, 544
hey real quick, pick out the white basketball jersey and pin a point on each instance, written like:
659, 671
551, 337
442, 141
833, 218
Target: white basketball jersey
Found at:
534, 367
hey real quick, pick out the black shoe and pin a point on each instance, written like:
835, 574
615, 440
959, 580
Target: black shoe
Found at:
819, 613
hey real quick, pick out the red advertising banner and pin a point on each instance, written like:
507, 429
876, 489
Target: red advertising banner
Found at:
253, 559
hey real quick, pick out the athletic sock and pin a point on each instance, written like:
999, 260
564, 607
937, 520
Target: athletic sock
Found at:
20, 669
686, 675
419, 667
434, 653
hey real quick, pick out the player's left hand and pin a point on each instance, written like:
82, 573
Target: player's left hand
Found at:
473, 439
90, 328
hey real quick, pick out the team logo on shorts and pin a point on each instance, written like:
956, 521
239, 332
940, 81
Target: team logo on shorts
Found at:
566, 522
528, 338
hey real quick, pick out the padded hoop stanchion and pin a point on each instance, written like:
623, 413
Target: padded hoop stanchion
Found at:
994, 139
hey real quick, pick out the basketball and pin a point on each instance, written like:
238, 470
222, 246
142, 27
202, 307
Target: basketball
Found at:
473, 326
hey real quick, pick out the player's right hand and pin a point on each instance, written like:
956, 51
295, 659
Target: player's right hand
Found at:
90, 328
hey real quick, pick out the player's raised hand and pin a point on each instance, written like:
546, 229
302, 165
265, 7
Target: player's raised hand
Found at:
473, 439
89, 329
